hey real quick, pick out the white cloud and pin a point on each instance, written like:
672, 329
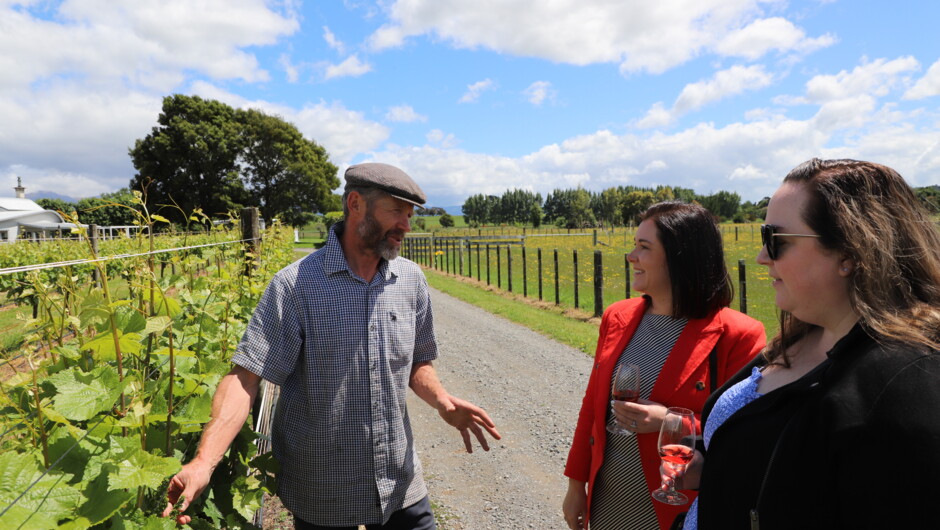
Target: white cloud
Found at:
723, 84
441, 139
351, 67
632, 33
730, 82
926, 86
769, 34
343, 132
143, 43
291, 71
874, 78
474, 91
538, 92
657, 116
705, 158
404, 114
333, 42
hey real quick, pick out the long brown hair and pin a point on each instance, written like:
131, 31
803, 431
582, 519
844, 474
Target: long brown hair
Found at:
867, 212
695, 257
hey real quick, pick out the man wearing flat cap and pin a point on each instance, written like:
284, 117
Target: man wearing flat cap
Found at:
344, 332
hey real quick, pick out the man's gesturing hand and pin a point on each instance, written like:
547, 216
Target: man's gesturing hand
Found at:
467, 417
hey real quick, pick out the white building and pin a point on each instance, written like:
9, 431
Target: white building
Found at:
21, 217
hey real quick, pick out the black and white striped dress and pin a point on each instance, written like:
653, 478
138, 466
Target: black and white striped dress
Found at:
621, 498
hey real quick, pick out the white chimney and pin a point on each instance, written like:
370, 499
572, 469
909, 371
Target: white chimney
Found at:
20, 190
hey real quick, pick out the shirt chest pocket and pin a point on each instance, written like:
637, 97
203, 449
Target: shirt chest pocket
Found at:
399, 328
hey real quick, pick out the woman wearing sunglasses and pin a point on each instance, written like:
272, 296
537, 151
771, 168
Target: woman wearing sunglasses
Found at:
837, 423
686, 342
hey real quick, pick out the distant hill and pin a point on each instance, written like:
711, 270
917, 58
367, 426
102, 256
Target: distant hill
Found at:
50, 195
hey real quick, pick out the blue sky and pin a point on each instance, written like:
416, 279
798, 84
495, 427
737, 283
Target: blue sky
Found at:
486, 95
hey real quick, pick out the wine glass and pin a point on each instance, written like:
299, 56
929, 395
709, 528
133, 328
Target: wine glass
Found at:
626, 387
676, 448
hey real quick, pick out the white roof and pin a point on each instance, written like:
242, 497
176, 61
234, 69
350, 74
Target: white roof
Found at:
28, 217
13, 204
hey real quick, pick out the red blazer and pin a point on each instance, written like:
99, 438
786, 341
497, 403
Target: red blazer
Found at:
683, 382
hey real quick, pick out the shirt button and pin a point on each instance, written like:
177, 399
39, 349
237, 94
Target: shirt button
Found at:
372, 327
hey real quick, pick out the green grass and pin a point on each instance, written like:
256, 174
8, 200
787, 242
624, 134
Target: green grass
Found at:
552, 321
742, 242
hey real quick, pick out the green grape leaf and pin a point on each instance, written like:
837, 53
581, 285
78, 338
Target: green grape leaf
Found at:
196, 409
138, 468
43, 505
93, 309
165, 306
156, 324
103, 345
80, 396
102, 502
129, 320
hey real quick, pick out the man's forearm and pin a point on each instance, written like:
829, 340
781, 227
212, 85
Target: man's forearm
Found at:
426, 385
230, 407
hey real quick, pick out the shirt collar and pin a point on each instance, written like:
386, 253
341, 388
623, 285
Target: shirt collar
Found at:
334, 259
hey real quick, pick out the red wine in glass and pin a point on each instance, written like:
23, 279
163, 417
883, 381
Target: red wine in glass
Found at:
676, 448
624, 387
625, 395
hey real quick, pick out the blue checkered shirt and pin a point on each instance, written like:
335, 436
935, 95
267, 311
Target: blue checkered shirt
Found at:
342, 350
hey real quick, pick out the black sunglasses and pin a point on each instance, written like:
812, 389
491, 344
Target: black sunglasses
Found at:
767, 235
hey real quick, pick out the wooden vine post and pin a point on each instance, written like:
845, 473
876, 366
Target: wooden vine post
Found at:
251, 234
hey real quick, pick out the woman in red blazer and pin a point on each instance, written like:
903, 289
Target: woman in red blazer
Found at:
687, 340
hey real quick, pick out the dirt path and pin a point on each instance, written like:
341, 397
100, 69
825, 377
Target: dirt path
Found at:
532, 388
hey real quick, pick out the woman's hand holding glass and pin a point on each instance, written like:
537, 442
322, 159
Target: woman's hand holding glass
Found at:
624, 389
676, 448
641, 417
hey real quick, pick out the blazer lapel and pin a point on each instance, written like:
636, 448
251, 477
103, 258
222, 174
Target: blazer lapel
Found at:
691, 350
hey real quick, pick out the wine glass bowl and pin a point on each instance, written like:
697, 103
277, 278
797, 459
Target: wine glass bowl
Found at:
625, 387
676, 448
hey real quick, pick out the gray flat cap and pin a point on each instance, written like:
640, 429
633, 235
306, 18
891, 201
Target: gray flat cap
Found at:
387, 178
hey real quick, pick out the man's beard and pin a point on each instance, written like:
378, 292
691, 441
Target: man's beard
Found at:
373, 239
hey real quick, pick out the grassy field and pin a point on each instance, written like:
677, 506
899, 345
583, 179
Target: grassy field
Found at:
742, 242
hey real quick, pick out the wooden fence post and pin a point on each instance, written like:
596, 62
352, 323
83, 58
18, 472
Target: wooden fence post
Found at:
742, 281
525, 274
93, 238
251, 233
557, 297
626, 275
460, 243
598, 284
509, 266
539, 252
487, 264
478, 262
499, 267
575, 254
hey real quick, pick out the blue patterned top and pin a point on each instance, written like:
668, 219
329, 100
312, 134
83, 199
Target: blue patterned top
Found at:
730, 402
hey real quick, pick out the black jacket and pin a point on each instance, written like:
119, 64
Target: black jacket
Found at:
862, 449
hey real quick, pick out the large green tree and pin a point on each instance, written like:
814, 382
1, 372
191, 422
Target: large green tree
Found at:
206, 154
290, 175
110, 209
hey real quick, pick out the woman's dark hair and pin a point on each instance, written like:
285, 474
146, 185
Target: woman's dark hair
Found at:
695, 257
868, 213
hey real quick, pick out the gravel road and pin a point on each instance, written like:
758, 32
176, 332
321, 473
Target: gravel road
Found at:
531, 386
